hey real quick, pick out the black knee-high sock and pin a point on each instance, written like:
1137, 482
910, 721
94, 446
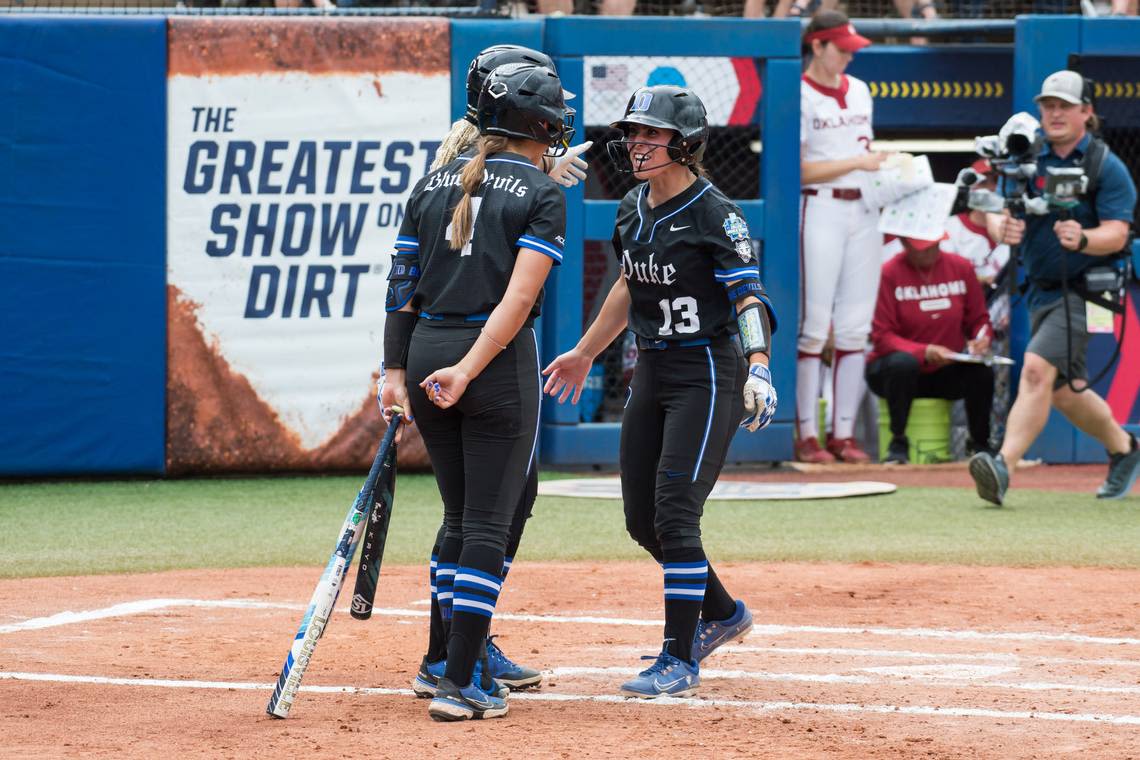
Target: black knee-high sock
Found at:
437, 633
686, 573
477, 582
718, 603
449, 549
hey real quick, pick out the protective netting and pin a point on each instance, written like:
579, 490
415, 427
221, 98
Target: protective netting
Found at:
464, 8
909, 9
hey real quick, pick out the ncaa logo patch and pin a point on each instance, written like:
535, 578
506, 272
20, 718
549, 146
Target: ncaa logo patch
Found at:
641, 101
735, 227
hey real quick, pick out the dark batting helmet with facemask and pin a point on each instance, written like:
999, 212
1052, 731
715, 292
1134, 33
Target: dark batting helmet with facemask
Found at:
490, 59
663, 106
525, 101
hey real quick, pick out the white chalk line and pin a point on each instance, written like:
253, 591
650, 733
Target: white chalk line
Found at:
837, 678
901, 654
758, 706
154, 605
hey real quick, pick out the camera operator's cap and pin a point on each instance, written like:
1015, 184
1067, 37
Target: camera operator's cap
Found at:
844, 37
1068, 86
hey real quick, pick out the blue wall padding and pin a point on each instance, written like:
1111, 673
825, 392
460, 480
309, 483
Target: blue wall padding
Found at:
82, 245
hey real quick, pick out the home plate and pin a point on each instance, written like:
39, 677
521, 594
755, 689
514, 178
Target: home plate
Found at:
726, 490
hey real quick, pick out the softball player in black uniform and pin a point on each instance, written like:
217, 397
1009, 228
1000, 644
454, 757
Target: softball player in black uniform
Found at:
477, 242
566, 171
690, 290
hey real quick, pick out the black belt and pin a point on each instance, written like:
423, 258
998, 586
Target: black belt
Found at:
463, 320
645, 344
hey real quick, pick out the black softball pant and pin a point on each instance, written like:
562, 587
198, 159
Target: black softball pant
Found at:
897, 377
482, 448
685, 405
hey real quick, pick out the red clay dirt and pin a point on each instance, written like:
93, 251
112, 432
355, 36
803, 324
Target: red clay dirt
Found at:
1076, 478
850, 657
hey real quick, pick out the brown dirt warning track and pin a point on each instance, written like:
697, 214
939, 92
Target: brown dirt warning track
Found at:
846, 661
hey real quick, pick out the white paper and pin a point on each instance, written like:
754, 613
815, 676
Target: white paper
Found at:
900, 175
920, 215
987, 360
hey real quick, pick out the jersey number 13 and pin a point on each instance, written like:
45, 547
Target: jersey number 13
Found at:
680, 316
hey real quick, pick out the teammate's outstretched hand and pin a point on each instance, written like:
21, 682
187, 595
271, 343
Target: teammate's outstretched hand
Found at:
759, 398
567, 374
446, 386
570, 170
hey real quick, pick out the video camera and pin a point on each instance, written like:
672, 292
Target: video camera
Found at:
1013, 152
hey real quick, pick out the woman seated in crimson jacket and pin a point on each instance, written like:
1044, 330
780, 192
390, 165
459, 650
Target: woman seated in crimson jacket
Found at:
930, 306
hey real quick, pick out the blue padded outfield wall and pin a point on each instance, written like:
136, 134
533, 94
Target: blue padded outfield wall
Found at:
83, 209
82, 245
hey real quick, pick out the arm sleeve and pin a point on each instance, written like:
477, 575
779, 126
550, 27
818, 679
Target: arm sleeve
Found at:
886, 326
546, 228
1116, 197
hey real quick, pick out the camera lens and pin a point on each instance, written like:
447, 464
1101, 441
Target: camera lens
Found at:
1017, 144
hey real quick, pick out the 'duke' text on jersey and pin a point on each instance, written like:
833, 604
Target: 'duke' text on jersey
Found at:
647, 271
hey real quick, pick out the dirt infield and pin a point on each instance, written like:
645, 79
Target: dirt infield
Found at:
847, 661
1082, 478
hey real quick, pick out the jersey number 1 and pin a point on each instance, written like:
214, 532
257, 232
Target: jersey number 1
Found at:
476, 202
687, 320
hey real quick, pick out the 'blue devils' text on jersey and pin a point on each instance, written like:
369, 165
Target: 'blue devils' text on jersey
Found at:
677, 259
518, 206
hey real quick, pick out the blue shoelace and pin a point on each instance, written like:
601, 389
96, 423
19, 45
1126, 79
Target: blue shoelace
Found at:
664, 661
496, 654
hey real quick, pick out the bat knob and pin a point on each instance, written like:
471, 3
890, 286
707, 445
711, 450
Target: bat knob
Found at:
396, 409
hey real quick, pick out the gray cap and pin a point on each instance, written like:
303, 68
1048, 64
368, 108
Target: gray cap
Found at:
1068, 86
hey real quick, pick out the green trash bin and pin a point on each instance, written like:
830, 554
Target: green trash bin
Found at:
927, 430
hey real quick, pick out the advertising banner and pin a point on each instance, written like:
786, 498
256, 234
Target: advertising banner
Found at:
293, 145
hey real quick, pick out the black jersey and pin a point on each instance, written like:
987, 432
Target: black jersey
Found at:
677, 259
518, 206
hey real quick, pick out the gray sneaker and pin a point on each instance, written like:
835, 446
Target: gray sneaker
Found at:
1122, 472
991, 477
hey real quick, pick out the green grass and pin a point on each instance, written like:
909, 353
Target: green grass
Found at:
79, 528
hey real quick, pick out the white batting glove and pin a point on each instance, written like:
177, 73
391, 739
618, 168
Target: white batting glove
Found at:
759, 398
570, 170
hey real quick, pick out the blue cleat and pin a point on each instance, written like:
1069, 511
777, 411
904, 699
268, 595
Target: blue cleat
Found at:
712, 634
452, 703
503, 670
427, 679
666, 677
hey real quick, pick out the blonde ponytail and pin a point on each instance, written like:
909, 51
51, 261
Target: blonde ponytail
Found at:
471, 179
462, 136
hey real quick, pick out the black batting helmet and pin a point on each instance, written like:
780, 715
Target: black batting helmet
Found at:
526, 101
664, 106
490, 59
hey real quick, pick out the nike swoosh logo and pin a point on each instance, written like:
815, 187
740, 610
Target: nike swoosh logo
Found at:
666, 686
674, 228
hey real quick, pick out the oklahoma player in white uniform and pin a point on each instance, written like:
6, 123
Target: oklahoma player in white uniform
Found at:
839, 243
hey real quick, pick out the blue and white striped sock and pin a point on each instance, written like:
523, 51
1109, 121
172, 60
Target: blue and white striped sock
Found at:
507, 566
444, 582
685, 580
476, 591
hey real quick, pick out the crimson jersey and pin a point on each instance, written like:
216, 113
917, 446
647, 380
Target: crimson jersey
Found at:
943, 306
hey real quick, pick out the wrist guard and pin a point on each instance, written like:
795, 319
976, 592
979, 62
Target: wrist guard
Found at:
755, 331
398, 328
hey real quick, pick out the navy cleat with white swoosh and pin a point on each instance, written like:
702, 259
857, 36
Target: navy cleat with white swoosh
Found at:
666, 677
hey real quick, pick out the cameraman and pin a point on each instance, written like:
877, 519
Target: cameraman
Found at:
1053, 250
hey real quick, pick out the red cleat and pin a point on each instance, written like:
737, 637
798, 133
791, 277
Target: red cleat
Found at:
808, 450
847, 450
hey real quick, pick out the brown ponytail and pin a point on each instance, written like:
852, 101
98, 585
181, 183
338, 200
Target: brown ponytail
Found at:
470, 179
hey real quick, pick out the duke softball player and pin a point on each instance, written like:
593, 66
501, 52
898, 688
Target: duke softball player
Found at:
839, 241
476, 245
567, 171
689, 285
